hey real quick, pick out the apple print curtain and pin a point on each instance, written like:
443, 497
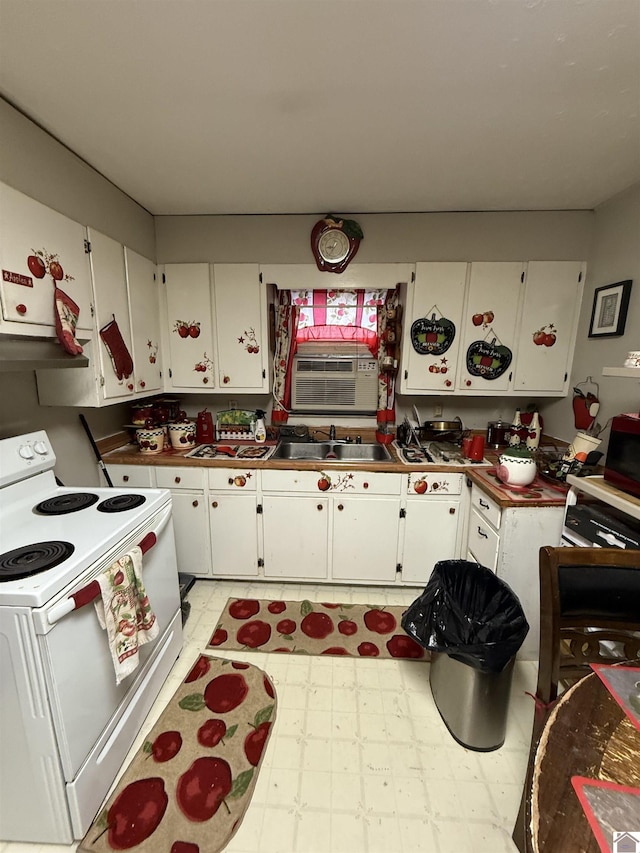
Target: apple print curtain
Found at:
285, 349
339, 315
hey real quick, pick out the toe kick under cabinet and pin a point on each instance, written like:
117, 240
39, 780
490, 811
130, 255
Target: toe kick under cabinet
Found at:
507, 540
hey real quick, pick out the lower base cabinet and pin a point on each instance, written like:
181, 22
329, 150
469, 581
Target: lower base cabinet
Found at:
295, 537
233, 514
365, 539
190, 518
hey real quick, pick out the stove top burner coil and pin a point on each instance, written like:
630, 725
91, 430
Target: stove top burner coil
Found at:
33, 559
63, 504
121, 503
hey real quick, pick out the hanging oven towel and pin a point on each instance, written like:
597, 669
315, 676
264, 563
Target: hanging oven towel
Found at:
125, 612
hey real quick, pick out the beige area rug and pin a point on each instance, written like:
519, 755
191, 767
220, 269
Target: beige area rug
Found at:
188, 787
302, 627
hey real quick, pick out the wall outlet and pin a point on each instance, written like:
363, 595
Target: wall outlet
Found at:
233, 404
437, 411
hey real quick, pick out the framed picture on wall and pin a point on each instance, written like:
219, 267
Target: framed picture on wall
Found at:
609, 312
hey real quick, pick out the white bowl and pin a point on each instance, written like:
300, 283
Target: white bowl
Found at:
516, 471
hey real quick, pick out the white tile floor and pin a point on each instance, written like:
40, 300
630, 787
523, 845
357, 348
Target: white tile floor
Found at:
359, 760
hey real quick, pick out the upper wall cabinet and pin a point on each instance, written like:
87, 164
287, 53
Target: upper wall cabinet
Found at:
40, 249
216, 328
491, 328
433, 312
547, 334
124, 352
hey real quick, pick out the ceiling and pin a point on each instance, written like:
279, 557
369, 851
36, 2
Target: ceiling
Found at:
311, 106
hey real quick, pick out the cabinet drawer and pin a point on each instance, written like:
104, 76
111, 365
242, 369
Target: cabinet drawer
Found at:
132, 476
483, 541
334, 481
431, 483
180, 478
481, 502
221, 479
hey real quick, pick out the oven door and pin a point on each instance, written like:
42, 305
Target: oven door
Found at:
79, 669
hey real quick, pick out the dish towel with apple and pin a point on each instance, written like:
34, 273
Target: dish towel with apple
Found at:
125, 612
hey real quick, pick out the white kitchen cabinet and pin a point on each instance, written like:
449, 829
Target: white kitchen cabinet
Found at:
240, 319
508, 540
434, 523
550, 311
188, 328
144, 309
365, 539
432, 329
216, 328
132, 476
125, 308
39, 249
489, 326
190, 517
233, 522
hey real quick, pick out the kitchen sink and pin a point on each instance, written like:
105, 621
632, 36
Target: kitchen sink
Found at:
332, 451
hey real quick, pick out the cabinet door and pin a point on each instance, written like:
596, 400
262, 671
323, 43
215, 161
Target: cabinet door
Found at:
234, 534
295, 531
38, 244
489, 326
111, 307
430, 535
190, 332
240, 309
192, 532
432, 331
144, 306
550, 313
365, 539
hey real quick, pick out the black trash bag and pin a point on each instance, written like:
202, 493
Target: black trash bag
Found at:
467, 612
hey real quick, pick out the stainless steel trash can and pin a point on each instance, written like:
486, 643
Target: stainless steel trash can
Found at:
473, 704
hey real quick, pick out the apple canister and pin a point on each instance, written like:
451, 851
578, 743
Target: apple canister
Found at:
516, 467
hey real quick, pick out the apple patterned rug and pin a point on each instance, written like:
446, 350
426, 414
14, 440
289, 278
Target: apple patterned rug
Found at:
357, 630
188, 787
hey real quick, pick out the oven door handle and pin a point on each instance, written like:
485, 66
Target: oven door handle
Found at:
88, 593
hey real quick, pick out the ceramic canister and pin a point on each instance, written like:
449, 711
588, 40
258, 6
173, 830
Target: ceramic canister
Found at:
150, 440
182, 435
516, 470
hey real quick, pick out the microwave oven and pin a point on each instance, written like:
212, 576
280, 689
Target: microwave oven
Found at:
622, 463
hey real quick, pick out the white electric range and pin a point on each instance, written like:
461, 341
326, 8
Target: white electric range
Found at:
66, 726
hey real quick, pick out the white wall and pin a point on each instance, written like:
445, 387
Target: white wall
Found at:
615, 257
37, 165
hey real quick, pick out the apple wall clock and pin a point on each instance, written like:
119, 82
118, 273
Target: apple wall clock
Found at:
488, 359
432, 337
334, 242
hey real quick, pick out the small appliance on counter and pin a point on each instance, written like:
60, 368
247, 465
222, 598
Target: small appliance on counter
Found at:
204, 427
622, 463
497, 434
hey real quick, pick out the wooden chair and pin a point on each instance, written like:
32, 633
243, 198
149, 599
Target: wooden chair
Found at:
580, 589
589, 599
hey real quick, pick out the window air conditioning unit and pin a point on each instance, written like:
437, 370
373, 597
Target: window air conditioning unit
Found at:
334, 378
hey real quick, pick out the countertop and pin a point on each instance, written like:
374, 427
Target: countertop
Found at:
116, 450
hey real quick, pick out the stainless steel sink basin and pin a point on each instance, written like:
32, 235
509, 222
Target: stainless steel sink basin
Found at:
332, 451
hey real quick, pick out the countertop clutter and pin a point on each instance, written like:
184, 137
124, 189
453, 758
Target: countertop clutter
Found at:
117, 450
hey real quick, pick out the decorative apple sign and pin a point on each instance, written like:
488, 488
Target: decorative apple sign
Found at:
488, 359
431, 336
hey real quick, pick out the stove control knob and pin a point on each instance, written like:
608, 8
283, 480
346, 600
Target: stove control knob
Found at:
26, 452
41, 448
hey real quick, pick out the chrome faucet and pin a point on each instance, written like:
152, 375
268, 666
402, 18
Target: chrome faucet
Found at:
331, 433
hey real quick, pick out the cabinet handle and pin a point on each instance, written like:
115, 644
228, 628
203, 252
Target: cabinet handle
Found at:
319, 507
452, 510
483, 504
214, 504
230, 481
468, 383
195, 503
448, 383
126, 478
226, 379
365, 485
205, 379
21, 309
130, 386
176, 480
482, 533
143, 383
340, 507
